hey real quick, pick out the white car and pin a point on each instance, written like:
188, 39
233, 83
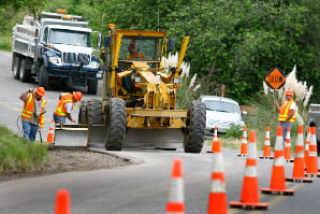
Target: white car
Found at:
221, 112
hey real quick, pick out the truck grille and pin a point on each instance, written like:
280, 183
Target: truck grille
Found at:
73, 58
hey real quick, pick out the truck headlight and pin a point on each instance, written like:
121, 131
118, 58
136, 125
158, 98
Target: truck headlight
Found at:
94, 64
54, 60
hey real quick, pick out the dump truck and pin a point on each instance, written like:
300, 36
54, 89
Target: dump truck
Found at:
55, 48
139, 97
313, 120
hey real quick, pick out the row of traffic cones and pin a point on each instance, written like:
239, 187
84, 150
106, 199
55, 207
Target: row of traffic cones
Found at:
250, 192
267, 146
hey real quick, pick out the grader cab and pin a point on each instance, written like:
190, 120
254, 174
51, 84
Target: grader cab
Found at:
139, 95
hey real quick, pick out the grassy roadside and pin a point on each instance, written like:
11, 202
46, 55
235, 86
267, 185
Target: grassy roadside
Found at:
6, 42
19, 155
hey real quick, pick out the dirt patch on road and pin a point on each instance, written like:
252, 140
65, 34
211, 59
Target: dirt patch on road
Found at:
61, 160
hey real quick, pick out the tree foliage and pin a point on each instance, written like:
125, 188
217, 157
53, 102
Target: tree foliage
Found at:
231, 42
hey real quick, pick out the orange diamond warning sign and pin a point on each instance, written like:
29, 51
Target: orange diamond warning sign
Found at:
275, 78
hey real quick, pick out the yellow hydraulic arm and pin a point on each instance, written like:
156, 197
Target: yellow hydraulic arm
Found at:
115, 55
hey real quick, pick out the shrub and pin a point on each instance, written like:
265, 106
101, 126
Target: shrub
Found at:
235, 131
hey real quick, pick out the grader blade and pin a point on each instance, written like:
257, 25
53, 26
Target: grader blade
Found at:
71, 136
166, 139
96, 136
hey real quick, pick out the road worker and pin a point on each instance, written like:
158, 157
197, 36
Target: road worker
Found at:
287, 112
33, 112
65, 107
133, 53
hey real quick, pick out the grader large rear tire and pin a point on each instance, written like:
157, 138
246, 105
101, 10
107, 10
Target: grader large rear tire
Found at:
115, 124
83, 114
195, 127
94, 111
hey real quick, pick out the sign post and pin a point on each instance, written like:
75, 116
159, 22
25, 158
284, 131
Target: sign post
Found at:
275, 79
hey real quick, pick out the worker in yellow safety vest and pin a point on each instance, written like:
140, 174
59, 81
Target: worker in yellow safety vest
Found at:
65, 107
33, 112
287, 112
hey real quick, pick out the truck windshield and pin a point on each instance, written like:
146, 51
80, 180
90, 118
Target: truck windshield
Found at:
220, 106
140, 48
69, 37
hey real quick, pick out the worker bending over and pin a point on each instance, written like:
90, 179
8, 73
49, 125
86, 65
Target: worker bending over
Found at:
33, 112
65, 107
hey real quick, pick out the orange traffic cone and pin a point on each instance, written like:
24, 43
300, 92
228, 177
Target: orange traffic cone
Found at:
217, 196
175, 204
298, 174
250, 192
63, 202
306, 148
312, 166
50, 137
266, 146
215, 133
244, 148
216, 146
287, 146
215, 141
278, 184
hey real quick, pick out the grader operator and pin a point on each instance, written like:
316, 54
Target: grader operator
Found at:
139, 97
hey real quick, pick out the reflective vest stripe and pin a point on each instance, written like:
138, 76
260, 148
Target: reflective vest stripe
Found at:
284, 112
42, 119
28, 108
60, 110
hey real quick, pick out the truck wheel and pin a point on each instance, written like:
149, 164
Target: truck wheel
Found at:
43, 77
92, 86
94, 112
16, 67
195, 127
24, 74
83, 116
115, 124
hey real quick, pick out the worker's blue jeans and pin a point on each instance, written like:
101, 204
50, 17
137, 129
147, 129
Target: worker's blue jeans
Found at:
59, 119
29, 130
285, 126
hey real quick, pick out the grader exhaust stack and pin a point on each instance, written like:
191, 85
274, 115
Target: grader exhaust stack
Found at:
139, 105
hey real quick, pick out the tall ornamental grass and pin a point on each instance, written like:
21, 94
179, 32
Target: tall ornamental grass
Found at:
188, 89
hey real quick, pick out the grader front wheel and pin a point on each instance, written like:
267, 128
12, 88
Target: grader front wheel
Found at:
115, 124
195, 127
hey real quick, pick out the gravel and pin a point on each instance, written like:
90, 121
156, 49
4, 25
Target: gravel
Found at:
62, 160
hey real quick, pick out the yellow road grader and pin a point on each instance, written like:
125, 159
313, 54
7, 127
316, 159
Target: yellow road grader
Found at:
138, 104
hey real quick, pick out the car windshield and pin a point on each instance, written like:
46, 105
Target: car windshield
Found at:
220, 106
140, 48
69, 37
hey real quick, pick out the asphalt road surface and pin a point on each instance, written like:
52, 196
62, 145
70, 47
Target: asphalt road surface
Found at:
138, 188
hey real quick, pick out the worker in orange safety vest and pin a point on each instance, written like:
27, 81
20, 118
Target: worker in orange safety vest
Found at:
133, 53
33, 112
65, 107
287, 112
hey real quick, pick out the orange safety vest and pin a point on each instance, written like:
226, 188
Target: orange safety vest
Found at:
284, 112
137, 55
61, 110
29, 107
